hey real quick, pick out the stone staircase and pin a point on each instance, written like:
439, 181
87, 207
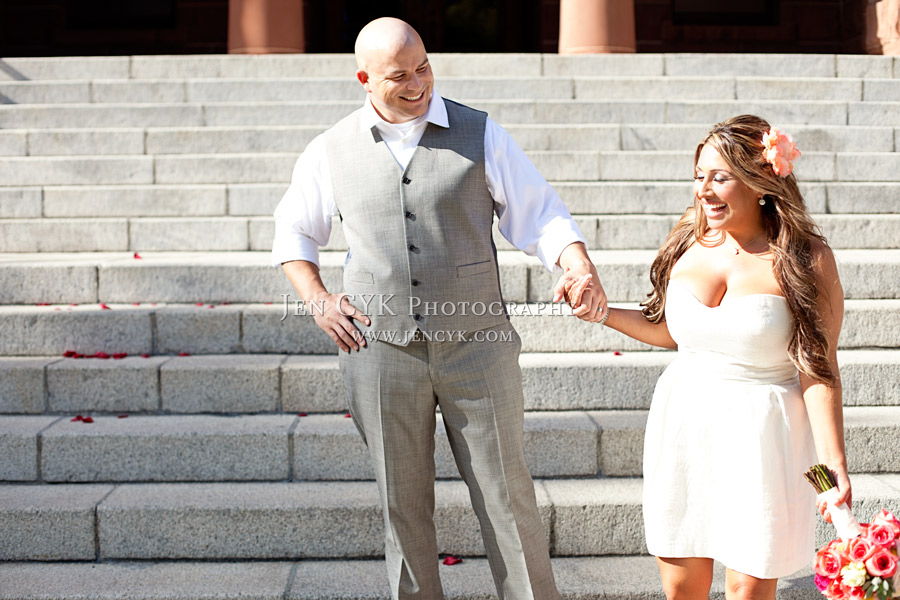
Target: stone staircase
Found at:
135, 218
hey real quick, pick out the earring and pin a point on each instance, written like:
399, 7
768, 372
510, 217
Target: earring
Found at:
762, 201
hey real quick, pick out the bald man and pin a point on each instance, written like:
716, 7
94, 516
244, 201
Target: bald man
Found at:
417, 180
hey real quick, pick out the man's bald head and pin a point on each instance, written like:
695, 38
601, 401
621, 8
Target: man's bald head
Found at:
384, 36
393, 68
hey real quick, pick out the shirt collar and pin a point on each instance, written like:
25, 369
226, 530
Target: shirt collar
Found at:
437, 113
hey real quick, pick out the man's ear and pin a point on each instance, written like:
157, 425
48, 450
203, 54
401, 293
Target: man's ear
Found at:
363, 79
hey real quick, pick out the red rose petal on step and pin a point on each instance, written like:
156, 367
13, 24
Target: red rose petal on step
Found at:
145, 356
211, 306
69, 354
42, 304
617, 353
73, 304
77, 418
135, 303
136, 255
77, 355
302, 414
102, 355
199, 304
268, 303
452, 560
87, 420
348, 416
123, 416
104, 307
184, 354
120, 355
226, 303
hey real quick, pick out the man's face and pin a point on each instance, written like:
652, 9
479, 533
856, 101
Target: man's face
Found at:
399, 82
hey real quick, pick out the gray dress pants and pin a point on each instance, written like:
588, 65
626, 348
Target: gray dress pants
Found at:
393, 391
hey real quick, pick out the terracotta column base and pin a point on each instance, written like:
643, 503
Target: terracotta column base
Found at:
265, 26
883, 27
596, 26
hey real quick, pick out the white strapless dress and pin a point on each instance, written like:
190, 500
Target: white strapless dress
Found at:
728, 440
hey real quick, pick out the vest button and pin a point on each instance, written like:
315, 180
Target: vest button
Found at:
415, 282
407, 180
412, 248
410, 215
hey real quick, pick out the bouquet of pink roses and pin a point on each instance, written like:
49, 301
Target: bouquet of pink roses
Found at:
862, 565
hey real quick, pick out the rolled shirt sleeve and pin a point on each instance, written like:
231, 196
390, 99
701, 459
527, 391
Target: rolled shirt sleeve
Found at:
303, 216
531, 214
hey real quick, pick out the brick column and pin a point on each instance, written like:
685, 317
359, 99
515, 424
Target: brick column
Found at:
883, 27
596, 26
265, 26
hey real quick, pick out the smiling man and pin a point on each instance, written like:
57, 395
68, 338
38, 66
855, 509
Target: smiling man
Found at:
417, 180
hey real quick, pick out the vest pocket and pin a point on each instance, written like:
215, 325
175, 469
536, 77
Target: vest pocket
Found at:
361, 277
473, 269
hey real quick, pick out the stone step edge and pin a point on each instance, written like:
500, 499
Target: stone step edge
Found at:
578, 578
302, 447
124, 67
311, 384
586, 517
264, 218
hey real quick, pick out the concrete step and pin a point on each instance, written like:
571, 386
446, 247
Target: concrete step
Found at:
215, 277
274, 447
260, 329
260, 199
266, 521
561, 138
212, 234
452, 64
283, 89
74, 67
249, 383
581, 578
276, 167
512, 112
174, 448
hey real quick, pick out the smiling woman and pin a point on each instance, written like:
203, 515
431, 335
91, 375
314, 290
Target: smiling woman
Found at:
754, 394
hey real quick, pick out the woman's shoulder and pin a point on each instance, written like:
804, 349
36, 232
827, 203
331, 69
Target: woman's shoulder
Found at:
823, 263
821, 255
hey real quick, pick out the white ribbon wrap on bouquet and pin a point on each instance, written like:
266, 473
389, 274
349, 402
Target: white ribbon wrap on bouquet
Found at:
843, 520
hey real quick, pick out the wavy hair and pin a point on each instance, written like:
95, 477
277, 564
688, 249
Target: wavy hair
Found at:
790, 233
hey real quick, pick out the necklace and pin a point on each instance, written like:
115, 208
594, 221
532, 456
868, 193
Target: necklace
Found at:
738, 247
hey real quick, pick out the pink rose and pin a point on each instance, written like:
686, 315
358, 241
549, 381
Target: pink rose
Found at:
854, 592
836, 591
860, 549
882, 564
887, 519
828, 563
880, 534
822, 583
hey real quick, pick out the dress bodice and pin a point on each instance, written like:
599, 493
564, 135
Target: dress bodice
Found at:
743, 338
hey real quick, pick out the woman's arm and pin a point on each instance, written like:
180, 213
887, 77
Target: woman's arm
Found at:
631, 322
824, 402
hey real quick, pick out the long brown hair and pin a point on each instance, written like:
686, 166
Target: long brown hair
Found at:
790, 232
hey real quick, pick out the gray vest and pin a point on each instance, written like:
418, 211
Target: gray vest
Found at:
421, 253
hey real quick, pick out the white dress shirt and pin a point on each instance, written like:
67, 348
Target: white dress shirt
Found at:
530, 213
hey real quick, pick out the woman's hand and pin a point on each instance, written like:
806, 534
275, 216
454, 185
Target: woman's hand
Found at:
845, 493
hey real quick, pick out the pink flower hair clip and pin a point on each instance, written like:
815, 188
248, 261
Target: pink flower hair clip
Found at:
779, 150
